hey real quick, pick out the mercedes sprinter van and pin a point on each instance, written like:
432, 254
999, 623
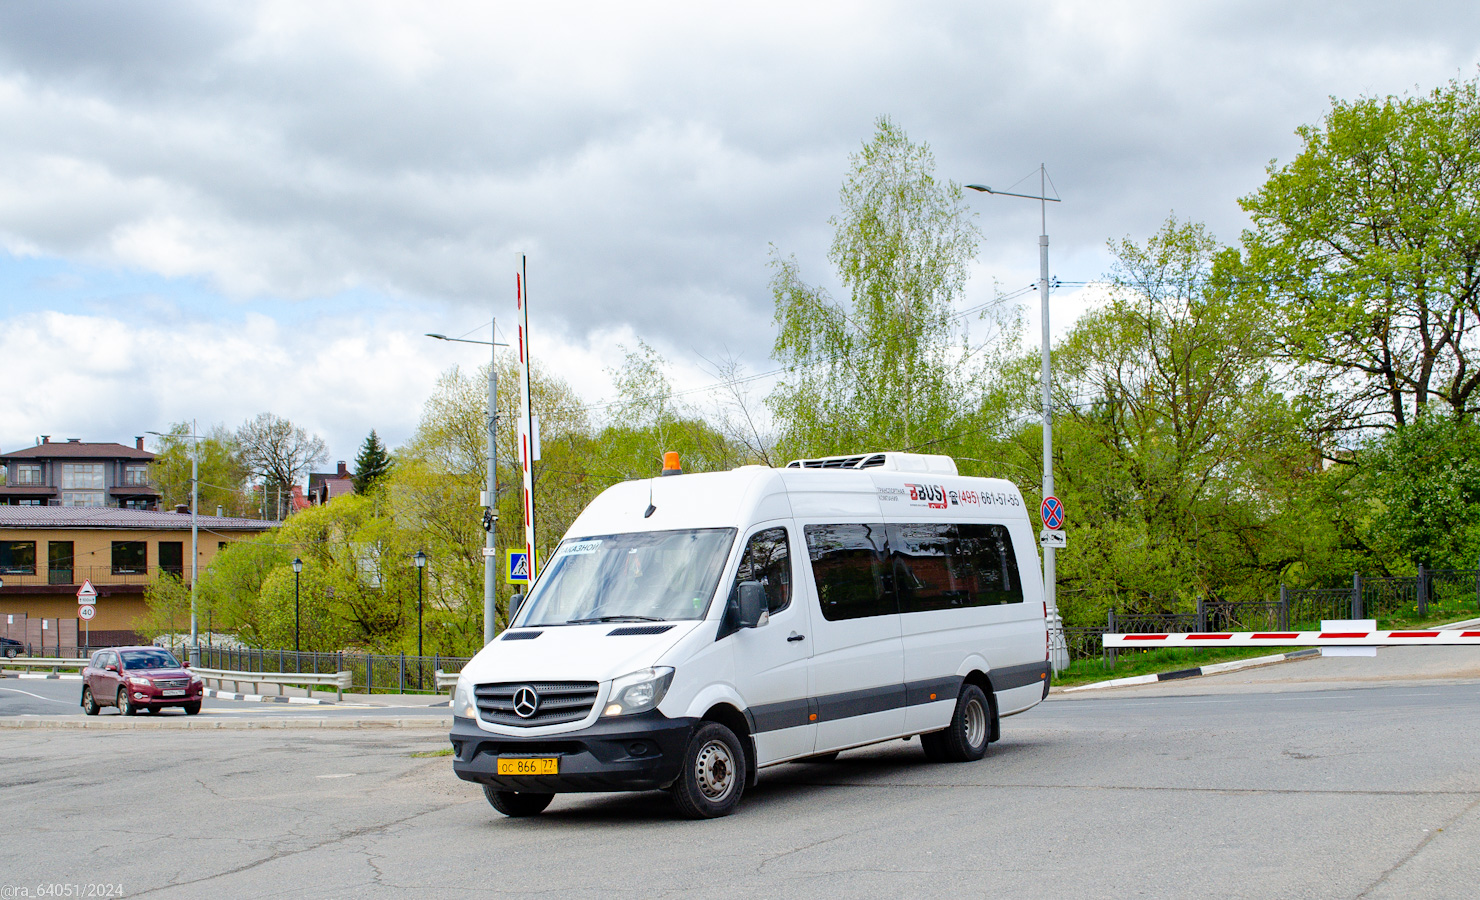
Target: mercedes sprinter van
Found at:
690, 631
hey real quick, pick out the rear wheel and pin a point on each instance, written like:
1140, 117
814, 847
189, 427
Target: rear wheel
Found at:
89, 705
966, 738
125, 705
713, 774
516, 805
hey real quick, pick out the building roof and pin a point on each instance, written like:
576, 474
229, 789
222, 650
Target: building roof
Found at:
78, 450
108, 517
27, 490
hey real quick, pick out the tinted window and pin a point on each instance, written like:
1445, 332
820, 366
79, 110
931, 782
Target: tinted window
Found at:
848, 565
946, 566
149, 659
767, 559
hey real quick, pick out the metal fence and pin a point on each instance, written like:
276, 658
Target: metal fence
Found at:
1430, 593
369, 672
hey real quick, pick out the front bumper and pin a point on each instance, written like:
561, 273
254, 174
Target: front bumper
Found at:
626, 753
154, 697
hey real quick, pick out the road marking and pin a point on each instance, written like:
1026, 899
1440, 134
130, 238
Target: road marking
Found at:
37, 696
338, 775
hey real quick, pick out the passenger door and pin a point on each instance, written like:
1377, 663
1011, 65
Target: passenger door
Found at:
857, 655
771, 661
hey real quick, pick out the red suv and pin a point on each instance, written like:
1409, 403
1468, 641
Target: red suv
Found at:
138, 678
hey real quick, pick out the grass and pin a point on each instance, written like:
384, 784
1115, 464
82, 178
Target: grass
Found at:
1163, 659
429, 754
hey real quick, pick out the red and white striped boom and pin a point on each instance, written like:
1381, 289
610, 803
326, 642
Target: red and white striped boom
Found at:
1294, 639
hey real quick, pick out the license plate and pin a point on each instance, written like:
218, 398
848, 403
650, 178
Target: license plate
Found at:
549, 765
173, 693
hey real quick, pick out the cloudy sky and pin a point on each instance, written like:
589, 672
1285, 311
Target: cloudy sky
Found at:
208, 210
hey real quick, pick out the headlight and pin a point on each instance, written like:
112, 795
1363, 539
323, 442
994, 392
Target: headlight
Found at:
462, 700
639, 692
139, 682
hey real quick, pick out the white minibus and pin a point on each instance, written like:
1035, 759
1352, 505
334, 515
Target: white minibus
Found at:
690, 631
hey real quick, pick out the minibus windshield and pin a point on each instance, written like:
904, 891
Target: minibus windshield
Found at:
646, 577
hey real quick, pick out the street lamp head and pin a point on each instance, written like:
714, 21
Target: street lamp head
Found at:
297, 565
440, 337
420, 559
980, 187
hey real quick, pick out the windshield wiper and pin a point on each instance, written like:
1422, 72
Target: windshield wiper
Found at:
613, 619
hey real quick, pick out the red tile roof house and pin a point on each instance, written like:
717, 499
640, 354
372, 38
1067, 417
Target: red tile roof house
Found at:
325, 486
78, 473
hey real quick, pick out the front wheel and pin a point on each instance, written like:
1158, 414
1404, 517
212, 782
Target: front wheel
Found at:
966, 738
713, 774
125, 705
89, 705
516, 805
192, 708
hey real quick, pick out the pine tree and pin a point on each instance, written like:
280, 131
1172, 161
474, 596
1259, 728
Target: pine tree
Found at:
372, 464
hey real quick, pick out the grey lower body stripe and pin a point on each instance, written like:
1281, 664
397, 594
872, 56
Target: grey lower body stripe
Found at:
1009, 677
830, 708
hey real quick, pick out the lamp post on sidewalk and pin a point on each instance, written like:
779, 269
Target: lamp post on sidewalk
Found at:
194, 535
421, 563
490, 493
297, 647
1055, 624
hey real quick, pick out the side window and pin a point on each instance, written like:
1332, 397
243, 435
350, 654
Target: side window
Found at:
767, 559
943, 566
848, 566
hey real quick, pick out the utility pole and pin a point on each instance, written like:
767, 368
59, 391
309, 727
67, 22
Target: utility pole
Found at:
1060, 650
490, 497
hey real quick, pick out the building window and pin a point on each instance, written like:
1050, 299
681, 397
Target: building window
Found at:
18, 557
82, 484
136, 504
31, 502
130, 557
172, 557
28, 473
136, 476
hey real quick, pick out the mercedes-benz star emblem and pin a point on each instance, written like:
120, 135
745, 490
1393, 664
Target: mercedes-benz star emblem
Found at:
526, 702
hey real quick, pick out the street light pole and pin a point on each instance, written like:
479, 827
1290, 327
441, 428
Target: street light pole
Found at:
490, 493
421, 563
297, 645
194, 535
1055, 625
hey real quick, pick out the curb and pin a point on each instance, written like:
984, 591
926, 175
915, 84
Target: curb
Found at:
266, 698
1214, 669
53, 677
198, 723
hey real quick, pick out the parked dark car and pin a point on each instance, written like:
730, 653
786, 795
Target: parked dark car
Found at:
11, 648
138, 679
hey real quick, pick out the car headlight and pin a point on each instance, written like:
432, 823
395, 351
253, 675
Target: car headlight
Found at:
136, 681
639, 691
462, 700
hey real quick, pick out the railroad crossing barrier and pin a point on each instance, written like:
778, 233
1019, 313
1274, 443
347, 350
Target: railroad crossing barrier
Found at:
340, 681
1295, 639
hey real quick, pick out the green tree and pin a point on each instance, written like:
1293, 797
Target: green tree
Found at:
1425, 480
372, 465
888, 368
1176, 452
1365, 253
223, 473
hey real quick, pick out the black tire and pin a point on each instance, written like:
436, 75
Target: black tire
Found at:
126, 706
516, 805
192, 709
89, 705
11, 653
969, 732
713, 775
819, 758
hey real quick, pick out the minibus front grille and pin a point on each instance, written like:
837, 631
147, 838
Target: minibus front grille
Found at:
559, 702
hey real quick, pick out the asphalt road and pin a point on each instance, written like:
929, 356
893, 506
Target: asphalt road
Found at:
1245, 785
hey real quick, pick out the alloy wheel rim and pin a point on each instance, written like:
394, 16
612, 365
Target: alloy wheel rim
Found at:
716, 770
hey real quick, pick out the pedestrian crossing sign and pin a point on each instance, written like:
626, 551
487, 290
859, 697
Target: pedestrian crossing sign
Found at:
518, 568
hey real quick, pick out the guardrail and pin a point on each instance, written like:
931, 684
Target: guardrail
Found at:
340, 681
42, 662
446, 680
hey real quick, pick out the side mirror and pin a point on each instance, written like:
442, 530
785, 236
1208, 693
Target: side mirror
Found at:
752, 604
515, 602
